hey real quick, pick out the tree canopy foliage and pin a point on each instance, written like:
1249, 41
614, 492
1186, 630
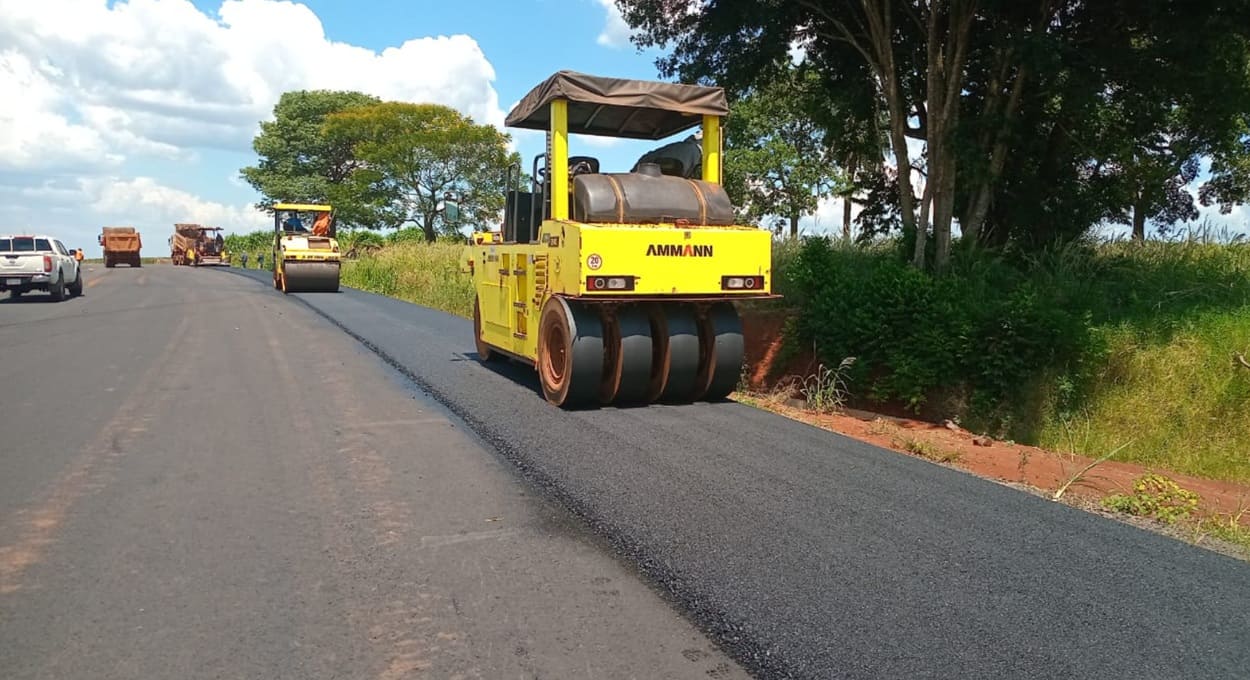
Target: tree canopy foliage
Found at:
417, 155
381, 164
777, 158
1039, 119
298, 162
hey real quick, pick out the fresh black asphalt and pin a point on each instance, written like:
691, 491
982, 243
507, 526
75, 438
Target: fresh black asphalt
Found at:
811, 555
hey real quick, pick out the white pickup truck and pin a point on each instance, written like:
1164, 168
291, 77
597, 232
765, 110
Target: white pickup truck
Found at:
38, 262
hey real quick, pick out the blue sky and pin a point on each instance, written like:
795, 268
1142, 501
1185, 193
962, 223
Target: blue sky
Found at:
141, 112
524, 41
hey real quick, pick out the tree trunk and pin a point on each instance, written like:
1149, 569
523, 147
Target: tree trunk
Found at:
980, 206
794, 226
922, 228
878, 52
947, 49
846, 217
1139, 222
427, 225
881, 35
998, 159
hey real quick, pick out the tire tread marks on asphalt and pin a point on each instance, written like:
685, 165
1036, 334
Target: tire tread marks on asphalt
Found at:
399, 630
35, 527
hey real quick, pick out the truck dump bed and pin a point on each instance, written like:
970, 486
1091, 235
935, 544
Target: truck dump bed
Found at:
121, 245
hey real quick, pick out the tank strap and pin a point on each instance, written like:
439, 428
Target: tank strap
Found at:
620, 199
698, 193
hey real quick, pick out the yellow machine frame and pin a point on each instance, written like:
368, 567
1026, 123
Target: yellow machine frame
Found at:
620, 312
303, 262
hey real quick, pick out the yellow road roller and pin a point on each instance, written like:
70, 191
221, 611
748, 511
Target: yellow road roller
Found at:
619, 287
306, 256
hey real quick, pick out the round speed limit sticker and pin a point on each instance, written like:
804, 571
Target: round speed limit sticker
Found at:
594, 261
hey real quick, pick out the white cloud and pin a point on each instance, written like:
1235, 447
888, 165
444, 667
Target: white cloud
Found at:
74, 209
828, 218
87, 86
146, 200
615, 31
34, 133
158, 76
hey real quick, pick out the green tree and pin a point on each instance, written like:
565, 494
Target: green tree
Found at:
1009, 98
299, 162
419, 154
777, 161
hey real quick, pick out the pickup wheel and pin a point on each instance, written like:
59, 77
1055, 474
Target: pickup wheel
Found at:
75, 288
58, 290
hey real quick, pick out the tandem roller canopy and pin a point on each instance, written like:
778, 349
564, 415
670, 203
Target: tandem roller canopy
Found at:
619, 107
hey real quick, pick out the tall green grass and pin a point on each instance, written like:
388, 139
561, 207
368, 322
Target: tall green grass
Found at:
425, 274
1084, 347
1178, 400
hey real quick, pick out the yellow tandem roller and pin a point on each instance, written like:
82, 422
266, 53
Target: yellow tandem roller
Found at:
306, 253
620, 287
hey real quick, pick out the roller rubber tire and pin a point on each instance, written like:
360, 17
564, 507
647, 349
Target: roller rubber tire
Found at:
721, 352
628, 368
681, 329
570, 353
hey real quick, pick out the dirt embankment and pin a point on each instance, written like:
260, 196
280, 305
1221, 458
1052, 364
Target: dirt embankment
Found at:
774, 377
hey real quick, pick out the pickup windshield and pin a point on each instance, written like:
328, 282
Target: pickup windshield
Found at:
24, 244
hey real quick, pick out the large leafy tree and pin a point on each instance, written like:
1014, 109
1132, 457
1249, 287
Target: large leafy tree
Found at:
1009, 98
299, 162
417, 156
777, 160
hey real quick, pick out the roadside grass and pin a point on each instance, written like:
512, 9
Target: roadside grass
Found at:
1185, 399
424, 274
1112, 338
1169, 320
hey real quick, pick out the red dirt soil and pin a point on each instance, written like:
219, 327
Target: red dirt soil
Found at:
948, 443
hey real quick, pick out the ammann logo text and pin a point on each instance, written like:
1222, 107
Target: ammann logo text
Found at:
688, 250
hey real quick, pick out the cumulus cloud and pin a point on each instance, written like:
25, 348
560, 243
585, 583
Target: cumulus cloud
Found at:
615, 31
160, 76
147, 200
76, 208
89, 87
35, 134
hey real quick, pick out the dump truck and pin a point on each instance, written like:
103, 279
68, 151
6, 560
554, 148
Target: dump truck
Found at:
619, 287
195, 245
306, 257
121, 246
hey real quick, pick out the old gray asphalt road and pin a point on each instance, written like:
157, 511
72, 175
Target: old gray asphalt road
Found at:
199, 478
812, 555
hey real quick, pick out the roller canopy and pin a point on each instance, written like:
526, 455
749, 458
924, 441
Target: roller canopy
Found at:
619, 107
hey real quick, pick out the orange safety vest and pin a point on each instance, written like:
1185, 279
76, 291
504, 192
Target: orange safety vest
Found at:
78, 255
